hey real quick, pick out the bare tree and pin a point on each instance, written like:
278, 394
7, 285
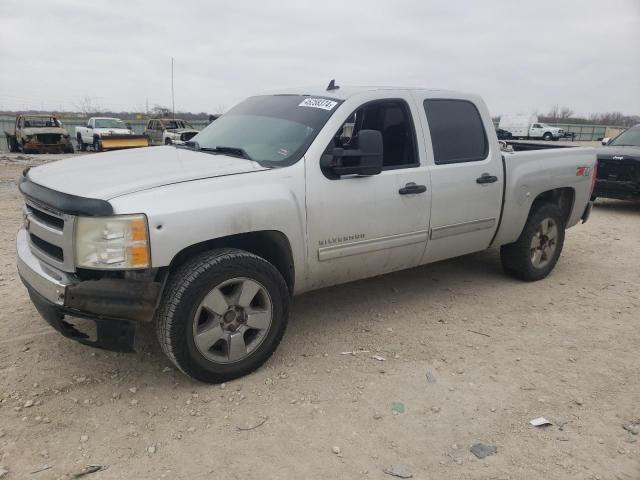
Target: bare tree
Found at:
160, 111
88, 107
566, 113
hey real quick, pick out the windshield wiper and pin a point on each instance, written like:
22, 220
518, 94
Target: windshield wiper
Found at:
233, 151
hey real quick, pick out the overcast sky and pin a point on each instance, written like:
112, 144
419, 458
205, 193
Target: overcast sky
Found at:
521, 56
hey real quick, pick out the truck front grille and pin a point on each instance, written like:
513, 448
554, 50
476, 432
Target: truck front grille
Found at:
50, 235
49, 138
619, 170
52, 250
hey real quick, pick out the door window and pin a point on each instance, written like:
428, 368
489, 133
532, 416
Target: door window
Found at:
392, 119
457, 132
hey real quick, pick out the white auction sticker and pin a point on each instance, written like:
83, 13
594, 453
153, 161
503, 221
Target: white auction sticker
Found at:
318, 103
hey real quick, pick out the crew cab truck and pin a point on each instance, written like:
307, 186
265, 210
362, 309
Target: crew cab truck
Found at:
38, 134
528, 127
169, 131
107, 133
283, 194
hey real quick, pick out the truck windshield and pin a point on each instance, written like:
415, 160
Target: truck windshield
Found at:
109, 123
273, 130
628, 138
174, 124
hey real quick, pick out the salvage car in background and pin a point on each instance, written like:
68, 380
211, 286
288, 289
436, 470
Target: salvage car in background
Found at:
108, 133
619, 166
168, 131
38, 134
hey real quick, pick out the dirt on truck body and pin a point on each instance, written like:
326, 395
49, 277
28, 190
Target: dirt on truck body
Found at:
38, 134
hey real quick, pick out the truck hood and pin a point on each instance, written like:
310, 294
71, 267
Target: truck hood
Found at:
112, 174
42, 130
627, 153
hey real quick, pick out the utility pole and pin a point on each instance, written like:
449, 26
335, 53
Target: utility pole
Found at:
173, 101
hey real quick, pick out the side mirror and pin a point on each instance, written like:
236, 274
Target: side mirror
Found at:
89, 125
365, 160
128, 125
606, 140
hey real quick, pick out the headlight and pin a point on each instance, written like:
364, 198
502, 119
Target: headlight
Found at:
114, 243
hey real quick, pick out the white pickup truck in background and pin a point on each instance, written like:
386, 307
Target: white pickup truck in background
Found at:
107, 133
528, 127
281, 195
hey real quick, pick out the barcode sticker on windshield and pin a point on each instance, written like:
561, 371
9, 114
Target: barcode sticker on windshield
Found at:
318, 103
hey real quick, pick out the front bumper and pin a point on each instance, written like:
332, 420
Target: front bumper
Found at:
618, 189
36, 146
51, 284
114, 305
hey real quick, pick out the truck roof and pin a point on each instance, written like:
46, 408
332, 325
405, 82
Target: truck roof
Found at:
106, 118
344, 92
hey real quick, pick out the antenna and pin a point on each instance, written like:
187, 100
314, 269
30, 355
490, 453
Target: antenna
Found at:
332, 85
173, 100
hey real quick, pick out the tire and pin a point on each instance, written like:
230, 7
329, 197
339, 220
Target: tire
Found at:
525, 261
97, 146
547, 136
11, 144
167, 141
182, 313
81, 145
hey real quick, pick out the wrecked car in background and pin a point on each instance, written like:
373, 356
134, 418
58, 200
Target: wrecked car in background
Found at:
169, 131
38, 134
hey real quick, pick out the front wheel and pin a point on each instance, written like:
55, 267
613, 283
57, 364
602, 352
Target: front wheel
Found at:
81, 145
223, 314
167, 141
536, 252
97, 145
12, 145
547, 136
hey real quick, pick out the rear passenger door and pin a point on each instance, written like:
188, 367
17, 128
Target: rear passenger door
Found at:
466, 176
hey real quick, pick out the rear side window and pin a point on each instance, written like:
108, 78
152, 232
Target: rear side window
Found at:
457, 132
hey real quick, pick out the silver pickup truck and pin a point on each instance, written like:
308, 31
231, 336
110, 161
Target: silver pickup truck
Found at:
284, 194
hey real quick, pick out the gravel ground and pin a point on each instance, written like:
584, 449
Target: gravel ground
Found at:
470, 356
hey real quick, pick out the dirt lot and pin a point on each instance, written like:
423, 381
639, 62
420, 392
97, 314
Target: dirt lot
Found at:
470, 355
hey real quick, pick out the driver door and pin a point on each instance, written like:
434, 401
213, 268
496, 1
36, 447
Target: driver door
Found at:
362, 226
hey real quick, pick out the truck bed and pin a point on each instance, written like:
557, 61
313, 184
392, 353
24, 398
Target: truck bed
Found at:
532, 172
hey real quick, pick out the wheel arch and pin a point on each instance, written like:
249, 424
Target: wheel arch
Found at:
563, 198
272, 245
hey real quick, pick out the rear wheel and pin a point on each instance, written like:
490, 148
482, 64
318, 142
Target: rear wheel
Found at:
534, 255
223, 314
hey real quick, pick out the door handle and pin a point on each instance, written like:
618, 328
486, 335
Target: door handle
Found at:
411, 187
486, 178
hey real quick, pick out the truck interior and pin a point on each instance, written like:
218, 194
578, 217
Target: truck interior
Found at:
393, 120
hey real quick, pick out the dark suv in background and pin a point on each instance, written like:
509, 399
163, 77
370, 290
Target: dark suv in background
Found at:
619, 166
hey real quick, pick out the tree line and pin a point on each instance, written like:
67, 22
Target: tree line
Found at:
559, 114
